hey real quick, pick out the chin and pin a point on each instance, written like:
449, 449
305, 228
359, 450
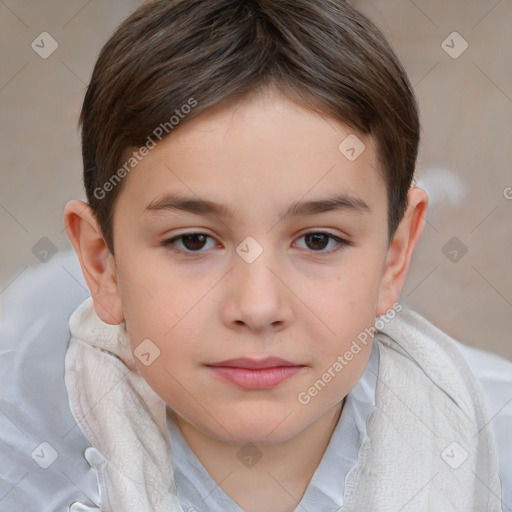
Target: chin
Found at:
259, 430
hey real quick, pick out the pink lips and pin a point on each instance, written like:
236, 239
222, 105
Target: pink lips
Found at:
256, 374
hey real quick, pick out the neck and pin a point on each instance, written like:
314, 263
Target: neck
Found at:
278, 480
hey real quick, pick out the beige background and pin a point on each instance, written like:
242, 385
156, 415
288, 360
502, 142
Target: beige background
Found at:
465, 159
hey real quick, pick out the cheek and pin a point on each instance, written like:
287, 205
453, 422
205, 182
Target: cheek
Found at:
152, 300
348, 307
350, 300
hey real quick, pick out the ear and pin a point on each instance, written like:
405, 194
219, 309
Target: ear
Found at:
401, 248
98, 264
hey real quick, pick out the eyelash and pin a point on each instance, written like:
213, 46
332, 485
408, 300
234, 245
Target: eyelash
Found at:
340, 241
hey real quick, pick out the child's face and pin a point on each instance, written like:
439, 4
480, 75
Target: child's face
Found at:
204, 300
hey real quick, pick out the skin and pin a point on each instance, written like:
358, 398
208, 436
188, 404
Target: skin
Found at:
301, 299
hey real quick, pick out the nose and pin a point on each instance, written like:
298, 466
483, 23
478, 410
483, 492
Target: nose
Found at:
255, 296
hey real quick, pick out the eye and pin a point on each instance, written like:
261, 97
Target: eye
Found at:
192, 242
318, 240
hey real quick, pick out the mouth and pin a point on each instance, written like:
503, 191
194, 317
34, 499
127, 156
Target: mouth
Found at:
256, 374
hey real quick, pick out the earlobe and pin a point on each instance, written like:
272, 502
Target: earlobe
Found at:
401, 249
98, 264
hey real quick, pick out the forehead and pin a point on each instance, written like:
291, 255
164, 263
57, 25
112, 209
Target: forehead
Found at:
259, 151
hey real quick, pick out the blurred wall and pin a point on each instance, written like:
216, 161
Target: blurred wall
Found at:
458, 55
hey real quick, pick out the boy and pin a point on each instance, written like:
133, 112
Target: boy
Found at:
249, 227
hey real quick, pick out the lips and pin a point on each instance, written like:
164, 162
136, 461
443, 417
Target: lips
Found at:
254, 364
255, 374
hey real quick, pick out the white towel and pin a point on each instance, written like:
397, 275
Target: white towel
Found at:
429, 442
121, 416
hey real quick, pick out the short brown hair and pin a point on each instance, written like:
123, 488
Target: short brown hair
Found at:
323, 54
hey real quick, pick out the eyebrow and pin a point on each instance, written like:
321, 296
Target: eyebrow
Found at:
197, 206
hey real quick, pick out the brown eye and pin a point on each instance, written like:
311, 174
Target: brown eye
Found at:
317, 241
191, 242
194, 242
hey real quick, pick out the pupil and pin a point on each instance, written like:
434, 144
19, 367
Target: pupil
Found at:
195, 245
317, 238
